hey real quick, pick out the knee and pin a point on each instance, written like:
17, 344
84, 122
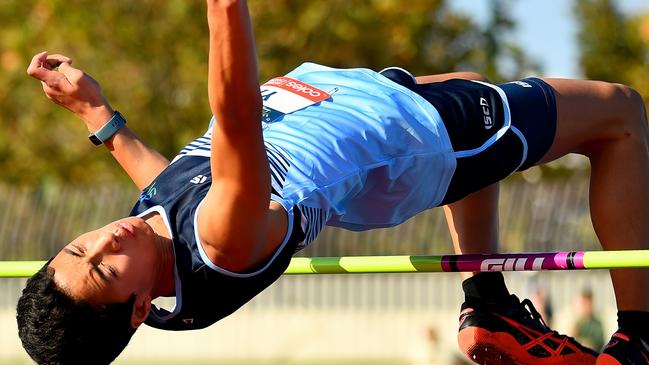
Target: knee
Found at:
632, 118
632, 95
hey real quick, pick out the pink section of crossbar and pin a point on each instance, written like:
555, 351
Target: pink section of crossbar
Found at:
579, 260
509, 262
561, 260
513, 262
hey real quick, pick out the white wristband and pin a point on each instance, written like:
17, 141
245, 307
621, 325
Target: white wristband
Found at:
111, 127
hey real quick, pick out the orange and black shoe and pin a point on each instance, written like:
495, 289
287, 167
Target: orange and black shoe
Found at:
623, 349
516, 335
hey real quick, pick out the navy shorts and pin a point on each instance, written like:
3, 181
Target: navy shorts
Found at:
472, 113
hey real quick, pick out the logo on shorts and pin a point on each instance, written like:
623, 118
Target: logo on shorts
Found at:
486, 111
521, 83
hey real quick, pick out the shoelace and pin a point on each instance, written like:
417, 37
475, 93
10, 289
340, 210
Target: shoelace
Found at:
535, 315
645, 346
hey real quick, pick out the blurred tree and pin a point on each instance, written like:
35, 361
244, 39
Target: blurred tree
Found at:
423, 36
144, 54
612, 49
613, 46
150, 56
499, 49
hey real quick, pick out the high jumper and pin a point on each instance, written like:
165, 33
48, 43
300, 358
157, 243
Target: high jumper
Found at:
351, 148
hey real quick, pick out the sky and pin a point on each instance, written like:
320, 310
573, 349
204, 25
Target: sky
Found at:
546, 30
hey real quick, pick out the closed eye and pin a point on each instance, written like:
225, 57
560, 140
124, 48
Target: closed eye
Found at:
103, 273
76, 252
100, 272
111, 270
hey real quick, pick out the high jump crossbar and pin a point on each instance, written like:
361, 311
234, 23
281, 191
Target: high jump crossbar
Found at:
533, 261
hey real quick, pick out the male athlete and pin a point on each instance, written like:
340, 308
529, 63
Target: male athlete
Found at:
349, 148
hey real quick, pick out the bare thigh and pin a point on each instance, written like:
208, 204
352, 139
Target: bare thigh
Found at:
427, 79
591, 112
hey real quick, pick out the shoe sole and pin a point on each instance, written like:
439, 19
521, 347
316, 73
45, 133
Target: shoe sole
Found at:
606, 359
495, 348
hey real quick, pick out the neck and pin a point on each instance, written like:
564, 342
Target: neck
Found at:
165, 278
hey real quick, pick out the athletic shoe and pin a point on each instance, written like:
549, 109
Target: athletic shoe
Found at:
516, 334
624, 350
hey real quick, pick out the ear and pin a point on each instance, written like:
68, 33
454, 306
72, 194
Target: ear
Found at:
141, 309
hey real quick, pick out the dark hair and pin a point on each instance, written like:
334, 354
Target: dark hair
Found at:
56, 329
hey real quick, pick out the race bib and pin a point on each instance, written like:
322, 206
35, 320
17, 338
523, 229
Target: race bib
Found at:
284, 95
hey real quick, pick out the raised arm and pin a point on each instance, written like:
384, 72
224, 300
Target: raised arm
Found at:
233, 219
81, 94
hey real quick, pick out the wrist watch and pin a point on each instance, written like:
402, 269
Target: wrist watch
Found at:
111, 127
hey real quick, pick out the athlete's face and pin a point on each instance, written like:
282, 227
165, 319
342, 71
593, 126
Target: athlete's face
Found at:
110, 264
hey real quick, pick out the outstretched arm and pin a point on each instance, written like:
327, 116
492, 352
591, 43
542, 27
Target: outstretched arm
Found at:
233, 219
81, 94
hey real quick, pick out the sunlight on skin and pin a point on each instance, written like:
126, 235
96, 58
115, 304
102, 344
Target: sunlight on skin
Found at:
109, 264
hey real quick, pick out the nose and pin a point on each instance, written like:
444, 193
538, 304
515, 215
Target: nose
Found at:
106, 243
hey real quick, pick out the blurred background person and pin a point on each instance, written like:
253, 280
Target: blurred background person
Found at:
588, 328
427, 351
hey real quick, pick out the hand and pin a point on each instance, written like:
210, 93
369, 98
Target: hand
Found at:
71, 88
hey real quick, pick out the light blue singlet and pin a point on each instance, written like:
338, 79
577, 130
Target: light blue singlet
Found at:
373, 155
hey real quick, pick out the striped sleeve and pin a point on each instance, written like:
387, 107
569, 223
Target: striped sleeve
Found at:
313, 219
